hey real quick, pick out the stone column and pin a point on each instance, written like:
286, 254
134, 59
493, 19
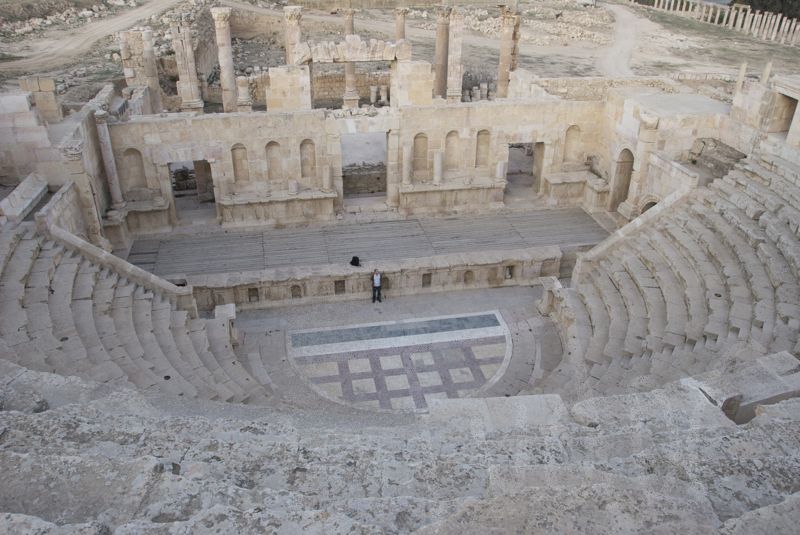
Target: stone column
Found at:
400, 22
776, 27
731, 16
508, 22
792, 29
766, 73
350, 98
188, 84
227, 75
719, 15
109, 163
455, 68
408, 162
151, 70
782, 30
744, 17
291, 27
244, 102
440, 54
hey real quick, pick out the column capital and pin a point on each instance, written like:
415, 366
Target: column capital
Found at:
221, 15
347, 11
101, 116
443, 14
293, 13
401, 11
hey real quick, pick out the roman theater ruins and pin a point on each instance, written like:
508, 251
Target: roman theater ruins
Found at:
586, 216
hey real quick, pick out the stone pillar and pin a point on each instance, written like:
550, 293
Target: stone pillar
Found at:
744, 17
291, 27
792, 29
109, 163
327, 181
785, 30
740, 78
719, 15
400, 22
244, 102
776, 27
408, 162
188, 84
227, 76
508, 22
731, 16
440, 54
437, 167
350, 98
151, 70
782, 30
455, 68
766, 73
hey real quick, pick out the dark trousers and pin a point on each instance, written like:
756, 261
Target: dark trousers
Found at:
376, 293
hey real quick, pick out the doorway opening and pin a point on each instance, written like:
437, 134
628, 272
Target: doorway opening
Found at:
364, 168
524, 173
193, 190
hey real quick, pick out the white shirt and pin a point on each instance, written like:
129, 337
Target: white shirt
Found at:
376, 279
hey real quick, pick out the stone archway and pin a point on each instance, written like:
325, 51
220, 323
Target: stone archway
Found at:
622, 179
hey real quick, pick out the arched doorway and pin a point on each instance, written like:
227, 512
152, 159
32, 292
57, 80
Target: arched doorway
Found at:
622, 179
647, 206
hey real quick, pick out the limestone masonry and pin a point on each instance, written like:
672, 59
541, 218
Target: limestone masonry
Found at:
591, 320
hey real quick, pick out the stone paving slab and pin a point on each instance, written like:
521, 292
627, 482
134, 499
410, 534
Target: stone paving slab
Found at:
411, 368
384, 240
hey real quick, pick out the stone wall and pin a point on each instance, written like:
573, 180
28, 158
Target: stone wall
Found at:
63, 210
298, 285
23, 139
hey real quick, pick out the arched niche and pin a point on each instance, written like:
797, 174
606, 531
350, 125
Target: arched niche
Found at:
622, 179
482, 148
308, 159
274, 162
131, 171
572, 144
451, 152
420, 156
241, 167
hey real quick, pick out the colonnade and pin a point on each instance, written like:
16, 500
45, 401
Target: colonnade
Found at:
765, 25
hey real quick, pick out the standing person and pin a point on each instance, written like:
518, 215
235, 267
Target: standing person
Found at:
376, 285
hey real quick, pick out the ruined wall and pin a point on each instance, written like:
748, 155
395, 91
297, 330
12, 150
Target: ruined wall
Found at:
327, 88
23, 139
63, 210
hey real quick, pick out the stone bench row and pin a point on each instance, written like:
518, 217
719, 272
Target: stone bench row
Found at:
62, 314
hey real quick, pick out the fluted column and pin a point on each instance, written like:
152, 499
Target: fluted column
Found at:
350, 98
292, 15
188, 84
227, 75
151, 70
400, 22
455, 68
109, 163
440, 54
508, 23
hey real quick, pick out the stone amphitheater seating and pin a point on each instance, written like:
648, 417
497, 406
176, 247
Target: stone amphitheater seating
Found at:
62, 314
719, 269
668, 461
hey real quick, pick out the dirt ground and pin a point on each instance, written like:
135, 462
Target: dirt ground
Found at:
559, 38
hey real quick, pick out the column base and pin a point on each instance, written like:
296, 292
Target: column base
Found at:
452, 96
244, 107
192, 105
350, 101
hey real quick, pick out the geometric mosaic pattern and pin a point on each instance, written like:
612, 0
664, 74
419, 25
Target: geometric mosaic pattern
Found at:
402, 365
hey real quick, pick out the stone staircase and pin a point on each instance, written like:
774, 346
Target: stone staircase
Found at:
63, 314
668, 460
717, 272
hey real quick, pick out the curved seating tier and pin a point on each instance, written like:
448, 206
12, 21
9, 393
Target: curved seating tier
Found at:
718, 270
62, 314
